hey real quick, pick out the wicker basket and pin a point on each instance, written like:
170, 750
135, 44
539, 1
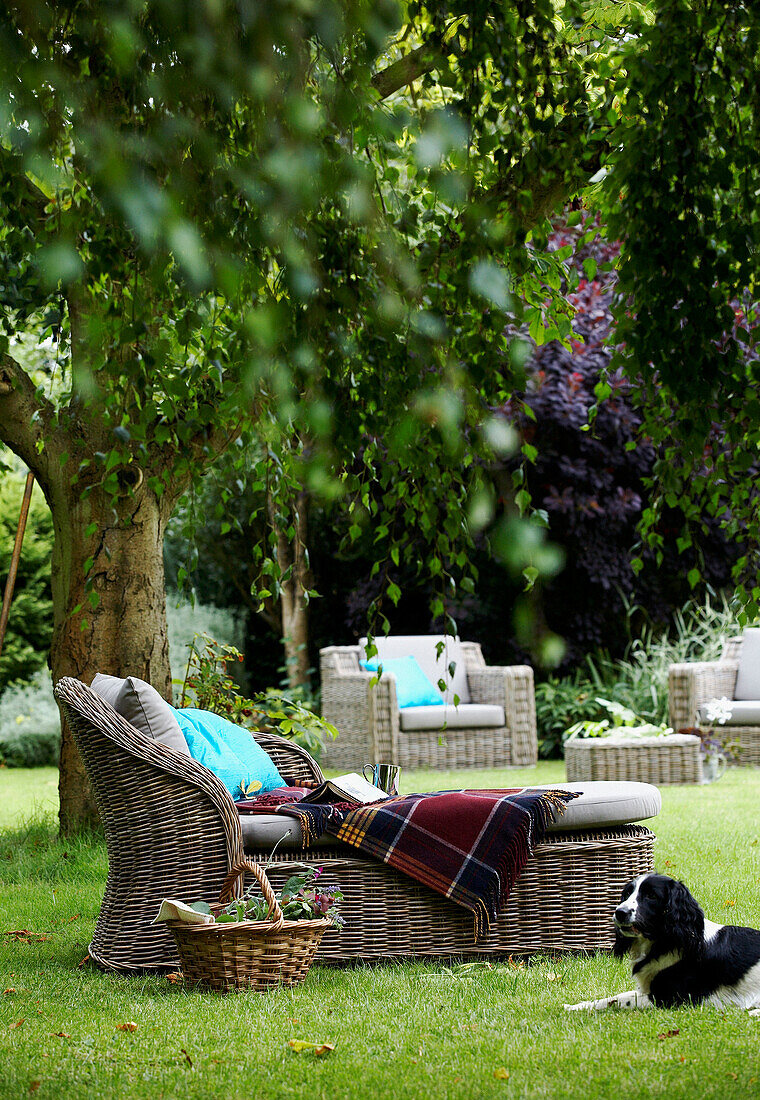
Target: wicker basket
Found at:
247, 954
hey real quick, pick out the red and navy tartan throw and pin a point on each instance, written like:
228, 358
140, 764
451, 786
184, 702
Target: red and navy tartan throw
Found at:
469, 845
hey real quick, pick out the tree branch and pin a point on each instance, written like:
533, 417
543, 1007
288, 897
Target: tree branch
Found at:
406, 70
25, 417
538, 184
31, 201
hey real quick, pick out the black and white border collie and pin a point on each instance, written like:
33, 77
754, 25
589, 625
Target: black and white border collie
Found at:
679, 957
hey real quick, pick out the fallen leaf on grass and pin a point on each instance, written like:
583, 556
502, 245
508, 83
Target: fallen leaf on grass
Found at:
188, 1059
18, 1023
734, 1076
25, 935
130, 1025
84, 962
669, 1034
34, 1085
729, 902
62, 1035
501, 1074
318, 1049
174, 978
7, 991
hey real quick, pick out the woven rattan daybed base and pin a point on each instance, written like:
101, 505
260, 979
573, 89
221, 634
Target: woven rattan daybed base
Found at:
172, 830
563, 901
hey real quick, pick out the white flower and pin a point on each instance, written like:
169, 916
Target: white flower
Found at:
718, 710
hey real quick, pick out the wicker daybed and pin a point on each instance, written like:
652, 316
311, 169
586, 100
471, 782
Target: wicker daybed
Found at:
664, 761
172, 830
693, 684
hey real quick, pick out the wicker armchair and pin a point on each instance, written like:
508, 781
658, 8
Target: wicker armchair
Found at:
171, 827
172, 830
367, 716
692, 684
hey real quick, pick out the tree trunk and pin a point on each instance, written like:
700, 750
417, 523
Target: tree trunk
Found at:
294, 607
111, 619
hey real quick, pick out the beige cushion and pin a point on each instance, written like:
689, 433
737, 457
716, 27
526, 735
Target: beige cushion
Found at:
605, 803
143, 708
744, 712
748, 677
423, 648
466, 716
602, 805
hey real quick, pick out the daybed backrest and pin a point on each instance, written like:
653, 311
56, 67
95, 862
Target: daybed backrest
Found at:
423, 648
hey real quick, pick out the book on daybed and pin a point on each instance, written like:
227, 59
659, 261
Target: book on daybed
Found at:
351, 787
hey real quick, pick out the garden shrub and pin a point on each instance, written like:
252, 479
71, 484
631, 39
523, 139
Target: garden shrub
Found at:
185, 620
30, 729
639, 679
592, 482
30, 623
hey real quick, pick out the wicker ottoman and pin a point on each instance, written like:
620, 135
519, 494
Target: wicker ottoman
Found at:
663, 761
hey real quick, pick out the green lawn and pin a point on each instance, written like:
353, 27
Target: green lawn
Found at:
413, 1030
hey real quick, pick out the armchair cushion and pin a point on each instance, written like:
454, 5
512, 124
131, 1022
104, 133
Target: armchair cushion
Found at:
465, 716
744, 712
423, 648
413, 689
748, 677
143, 708
227, 750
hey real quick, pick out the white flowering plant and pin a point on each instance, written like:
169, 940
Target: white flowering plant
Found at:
623, 722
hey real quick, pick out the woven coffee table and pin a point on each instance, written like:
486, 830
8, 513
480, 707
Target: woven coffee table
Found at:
664, 761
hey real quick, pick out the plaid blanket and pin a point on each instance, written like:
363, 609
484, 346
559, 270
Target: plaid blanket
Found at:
468, 845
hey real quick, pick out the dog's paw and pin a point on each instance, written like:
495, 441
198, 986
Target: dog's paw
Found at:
582, 1006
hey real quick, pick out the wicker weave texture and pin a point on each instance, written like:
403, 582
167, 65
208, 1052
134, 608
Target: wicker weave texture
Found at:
368, 720
243, 956
650, 760
692, 684
172, 831
563, 901
171, 828
745, 742
248, 954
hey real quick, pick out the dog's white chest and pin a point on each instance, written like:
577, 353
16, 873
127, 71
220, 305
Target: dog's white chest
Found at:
644, 976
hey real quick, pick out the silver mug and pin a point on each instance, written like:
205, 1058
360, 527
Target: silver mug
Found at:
384, 776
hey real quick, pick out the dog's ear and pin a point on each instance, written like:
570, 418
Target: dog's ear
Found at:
622, 944
686, 919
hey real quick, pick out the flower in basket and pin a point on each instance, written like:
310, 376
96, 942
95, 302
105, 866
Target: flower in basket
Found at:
302, 897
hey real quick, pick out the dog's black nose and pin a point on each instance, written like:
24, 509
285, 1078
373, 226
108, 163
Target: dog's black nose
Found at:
622, 916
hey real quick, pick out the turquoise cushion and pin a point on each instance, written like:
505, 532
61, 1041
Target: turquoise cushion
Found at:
413, 689
227, 750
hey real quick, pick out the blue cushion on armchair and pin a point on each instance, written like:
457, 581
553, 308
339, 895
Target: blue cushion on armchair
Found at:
229, 751
413, 689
